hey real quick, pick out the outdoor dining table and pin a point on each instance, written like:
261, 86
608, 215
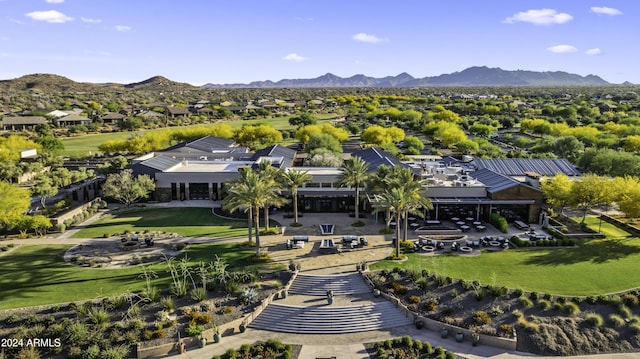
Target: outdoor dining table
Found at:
477, 223
469, 219
464, 228
411, 219
414, 225
461, 223
481, 227
455, 219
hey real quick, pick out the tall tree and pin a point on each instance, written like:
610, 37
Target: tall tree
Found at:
354, 173
250, 192
127, 189
293, 179
589, 192
270, 175
392, 201
416, 199
44, 188
557, 191
14, 202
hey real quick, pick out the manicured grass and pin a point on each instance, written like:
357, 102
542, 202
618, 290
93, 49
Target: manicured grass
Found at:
86, 145
605, 228
595, 267
38, 274
192, 222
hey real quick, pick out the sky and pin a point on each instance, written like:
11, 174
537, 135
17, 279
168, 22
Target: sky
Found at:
239, 41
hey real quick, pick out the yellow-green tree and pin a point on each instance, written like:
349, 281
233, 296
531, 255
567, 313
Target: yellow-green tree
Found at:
590, 191
557, 191
257, 136
627, 195
448, 133
14, 203
305, 133
632, 143
379, 135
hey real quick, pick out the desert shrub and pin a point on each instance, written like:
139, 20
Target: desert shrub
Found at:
92, 352
231, 286
616, 320
630, 300
465, 284
12, 319
506, 329
204, 318
438, 351
398, 288
414, 299
249, 295
625, 312
544, 304
481, 317
388, 344
28, 353
147, 334
571, 308
76, 332
198, 294
517, 313
167, 303
98, 316
533, 295
228, 309
496, 310
594, 319
497, 291
423, 284
160, 333
635, 328
518, 292
527, 324
193, 330
136, 324
115, 352
431, 304
526, 302
414, 274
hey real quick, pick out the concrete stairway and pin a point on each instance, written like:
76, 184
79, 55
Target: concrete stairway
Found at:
318, 285
330, 319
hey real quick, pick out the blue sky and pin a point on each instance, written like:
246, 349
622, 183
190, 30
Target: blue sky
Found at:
229, 41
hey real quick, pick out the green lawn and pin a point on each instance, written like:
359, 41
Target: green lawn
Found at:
192, 222
595, 267
38, 274
86, 145
605, 228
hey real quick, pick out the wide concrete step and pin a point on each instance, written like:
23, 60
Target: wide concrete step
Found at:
329, 319
318, 285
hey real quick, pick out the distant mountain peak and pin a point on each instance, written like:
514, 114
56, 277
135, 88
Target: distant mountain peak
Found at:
471, 76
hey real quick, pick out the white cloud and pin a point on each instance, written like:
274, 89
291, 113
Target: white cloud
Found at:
54, 1
603, 10
594, 51
122, 28
540, 17
294, 57
50, 16
562, 49
90, 21
362, 37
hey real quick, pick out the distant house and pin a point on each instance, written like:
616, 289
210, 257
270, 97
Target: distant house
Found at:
15, 123
178, 112
112, 117
72, 120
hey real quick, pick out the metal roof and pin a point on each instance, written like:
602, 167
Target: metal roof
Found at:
376, 157
285, 153
494, 181
519, 166
205, 144
161, 163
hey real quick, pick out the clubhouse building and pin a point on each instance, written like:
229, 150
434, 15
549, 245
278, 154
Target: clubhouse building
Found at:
199, 169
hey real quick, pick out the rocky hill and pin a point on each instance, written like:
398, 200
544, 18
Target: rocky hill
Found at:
56, 83
473, 76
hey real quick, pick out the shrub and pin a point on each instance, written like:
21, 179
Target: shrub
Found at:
167, 304
12, 319
481, 317
571, 308
423, 284
431, 304
630, 300
398, 288
497, 291
193, 330
544, 304
526, 302
594, 319
616, 320
198, 294
231, 353
506, 329
181, 246
98, 316
414, 299
499, 222
249, 295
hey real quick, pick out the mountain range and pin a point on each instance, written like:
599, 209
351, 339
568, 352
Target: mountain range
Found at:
472, 76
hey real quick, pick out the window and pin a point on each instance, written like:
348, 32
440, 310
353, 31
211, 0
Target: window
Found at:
312, 185
325, 185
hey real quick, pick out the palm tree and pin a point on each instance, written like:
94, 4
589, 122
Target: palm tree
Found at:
268, 173
250, 192
354, 173
377, 183
293, 179
416, 200
393, 201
